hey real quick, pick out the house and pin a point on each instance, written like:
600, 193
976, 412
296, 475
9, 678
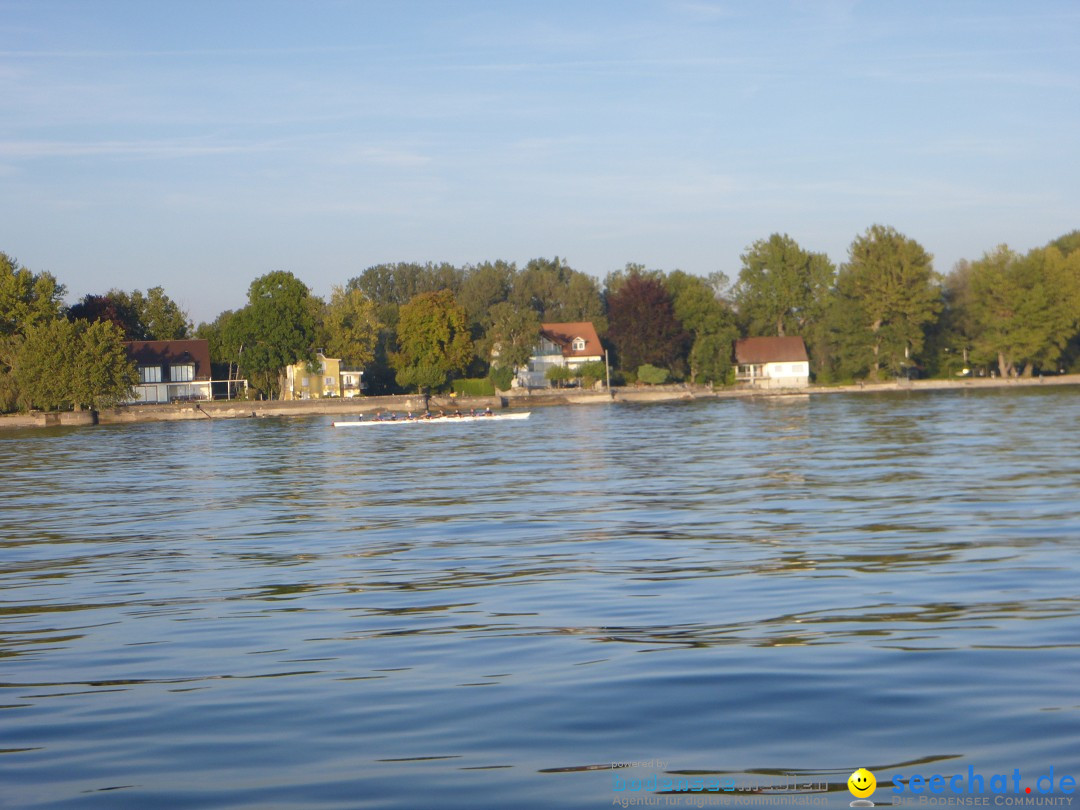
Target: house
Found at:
324, 378
772, 362
561, 344
171, 370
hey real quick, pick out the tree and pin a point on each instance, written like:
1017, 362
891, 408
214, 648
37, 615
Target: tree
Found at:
216, 334
558, 293
391, 286
581, 301
485, 286
159, 317
711, 322
112, 307
9, 389
1025, 309
781, 287
153, 316
591, 373
539, 287
350, 327
433, 340
886, 296
1067, 244
275, 329
642, 324
26, 298
558, 375
513, 336
74, 364
950, 339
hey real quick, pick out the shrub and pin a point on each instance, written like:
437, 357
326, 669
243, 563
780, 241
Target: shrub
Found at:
591, 373
651, 375
559, 375
501, 377
476, 387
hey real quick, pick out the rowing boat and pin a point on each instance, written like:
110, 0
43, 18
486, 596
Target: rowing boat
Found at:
437, 420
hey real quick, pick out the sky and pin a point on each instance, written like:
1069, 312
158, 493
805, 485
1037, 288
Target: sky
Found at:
197, 145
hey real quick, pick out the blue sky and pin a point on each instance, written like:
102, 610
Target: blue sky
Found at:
199, 144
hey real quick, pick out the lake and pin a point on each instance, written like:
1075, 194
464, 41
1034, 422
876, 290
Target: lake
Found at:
271, 613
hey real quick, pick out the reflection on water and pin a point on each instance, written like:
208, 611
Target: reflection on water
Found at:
272, 613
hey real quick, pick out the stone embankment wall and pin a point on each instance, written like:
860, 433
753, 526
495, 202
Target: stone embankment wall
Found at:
514, 399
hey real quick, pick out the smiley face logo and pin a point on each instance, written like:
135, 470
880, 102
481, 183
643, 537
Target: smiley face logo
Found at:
862, 783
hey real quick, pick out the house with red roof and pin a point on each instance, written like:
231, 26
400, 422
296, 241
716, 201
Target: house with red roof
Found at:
772, 362
561, 344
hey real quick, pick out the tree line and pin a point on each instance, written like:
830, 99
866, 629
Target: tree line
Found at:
884, 312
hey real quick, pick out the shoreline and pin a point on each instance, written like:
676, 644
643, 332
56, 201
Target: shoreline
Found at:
236, 409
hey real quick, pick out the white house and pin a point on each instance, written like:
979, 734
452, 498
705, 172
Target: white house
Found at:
561, 344
772, 362
171, 370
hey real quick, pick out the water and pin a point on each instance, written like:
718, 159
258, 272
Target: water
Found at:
271, 613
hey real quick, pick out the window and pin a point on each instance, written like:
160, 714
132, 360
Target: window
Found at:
182, 372
329, 382
149, 374
304, 382
579, 344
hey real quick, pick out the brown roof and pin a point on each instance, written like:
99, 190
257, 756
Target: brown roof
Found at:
564, 333
755, 350
168, 352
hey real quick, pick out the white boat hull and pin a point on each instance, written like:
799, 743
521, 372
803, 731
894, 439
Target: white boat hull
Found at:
435, 420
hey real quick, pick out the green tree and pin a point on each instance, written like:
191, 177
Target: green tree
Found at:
781, 287
159, 317
433, 340
73, 364
581, 301
699, 308
26, 298
950, 339
9, 389
592, 373
350, 327
887, 294
558, 375
391, 286
1067, 244
539, 287
485, 286
216, 334
1025, 309
274, 330
513, 336
558, 293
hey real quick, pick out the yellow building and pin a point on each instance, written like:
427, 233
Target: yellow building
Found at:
313, 380
326, 377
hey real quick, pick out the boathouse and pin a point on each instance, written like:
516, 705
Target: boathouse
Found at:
772, 362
